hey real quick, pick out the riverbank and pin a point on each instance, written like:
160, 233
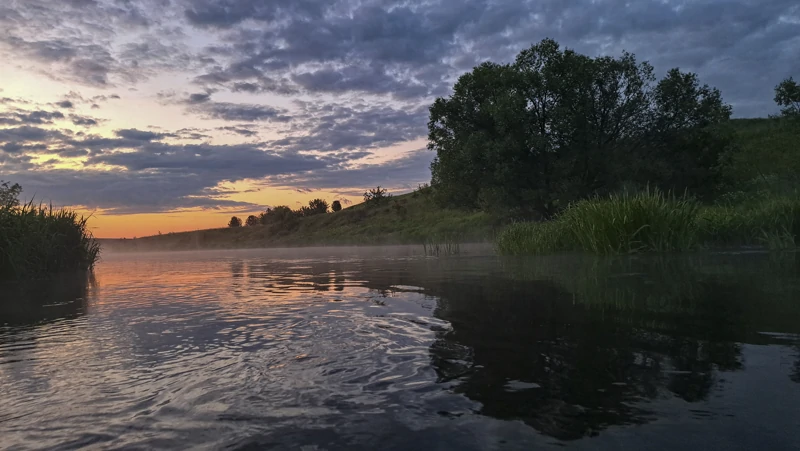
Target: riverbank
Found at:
412, 218
653, 221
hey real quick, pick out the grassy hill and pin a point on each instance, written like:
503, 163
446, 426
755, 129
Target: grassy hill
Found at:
407, 219
768, 151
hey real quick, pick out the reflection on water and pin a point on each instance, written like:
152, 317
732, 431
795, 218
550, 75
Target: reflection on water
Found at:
384, 349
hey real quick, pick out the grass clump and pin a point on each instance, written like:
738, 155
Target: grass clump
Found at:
36, 241
649, 221
442, 246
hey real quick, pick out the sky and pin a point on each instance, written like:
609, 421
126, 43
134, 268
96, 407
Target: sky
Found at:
170, 115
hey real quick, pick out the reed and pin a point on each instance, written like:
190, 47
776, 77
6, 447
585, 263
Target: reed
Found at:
38, 240
441, 246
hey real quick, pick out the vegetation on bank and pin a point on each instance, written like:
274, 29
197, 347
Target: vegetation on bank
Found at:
412, 218
652, 221
586, 149
36, 241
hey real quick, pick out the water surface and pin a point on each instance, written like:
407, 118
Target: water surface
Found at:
383, 348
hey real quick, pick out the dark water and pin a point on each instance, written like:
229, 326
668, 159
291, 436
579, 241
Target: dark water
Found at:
385, 349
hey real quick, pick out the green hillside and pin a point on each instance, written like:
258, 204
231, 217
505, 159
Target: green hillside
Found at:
406, 219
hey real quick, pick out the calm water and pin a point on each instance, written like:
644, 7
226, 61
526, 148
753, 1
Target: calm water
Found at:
386, 349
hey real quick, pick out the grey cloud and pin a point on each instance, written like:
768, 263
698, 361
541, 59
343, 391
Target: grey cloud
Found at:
156, 176
415, 50
330, 128
239, 131
199, 97
138, 135
27, 133
192, 133
402, 173
37, 117
83, 120
123, 192
66, 104
245, 87
241, 112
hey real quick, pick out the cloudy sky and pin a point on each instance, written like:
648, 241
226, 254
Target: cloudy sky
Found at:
166, 115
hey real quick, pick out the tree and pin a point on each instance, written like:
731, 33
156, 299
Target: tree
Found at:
235, 222
336, 206
315, 207
318, 206
556, 126
376, 196
251, 221
9, 195
787, 96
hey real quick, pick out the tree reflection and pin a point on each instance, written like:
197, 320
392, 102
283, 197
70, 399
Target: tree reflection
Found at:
573, 350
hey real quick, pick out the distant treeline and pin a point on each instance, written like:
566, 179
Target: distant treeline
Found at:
283, 214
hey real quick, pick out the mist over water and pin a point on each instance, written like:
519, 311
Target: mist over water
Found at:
384, 348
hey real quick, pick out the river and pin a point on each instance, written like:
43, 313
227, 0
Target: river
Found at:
385, 348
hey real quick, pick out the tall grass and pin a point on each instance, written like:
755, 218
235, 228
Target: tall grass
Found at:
769, 221
39, 240
649, 221
652, 221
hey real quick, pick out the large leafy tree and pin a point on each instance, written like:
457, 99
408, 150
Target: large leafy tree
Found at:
556, 126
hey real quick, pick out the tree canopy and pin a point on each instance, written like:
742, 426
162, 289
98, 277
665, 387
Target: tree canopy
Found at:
235, 222
787, 96
556, 126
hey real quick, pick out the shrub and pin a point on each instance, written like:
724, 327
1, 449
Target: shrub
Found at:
376, 196
336, 206
235, 222
315, 207
251, 221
